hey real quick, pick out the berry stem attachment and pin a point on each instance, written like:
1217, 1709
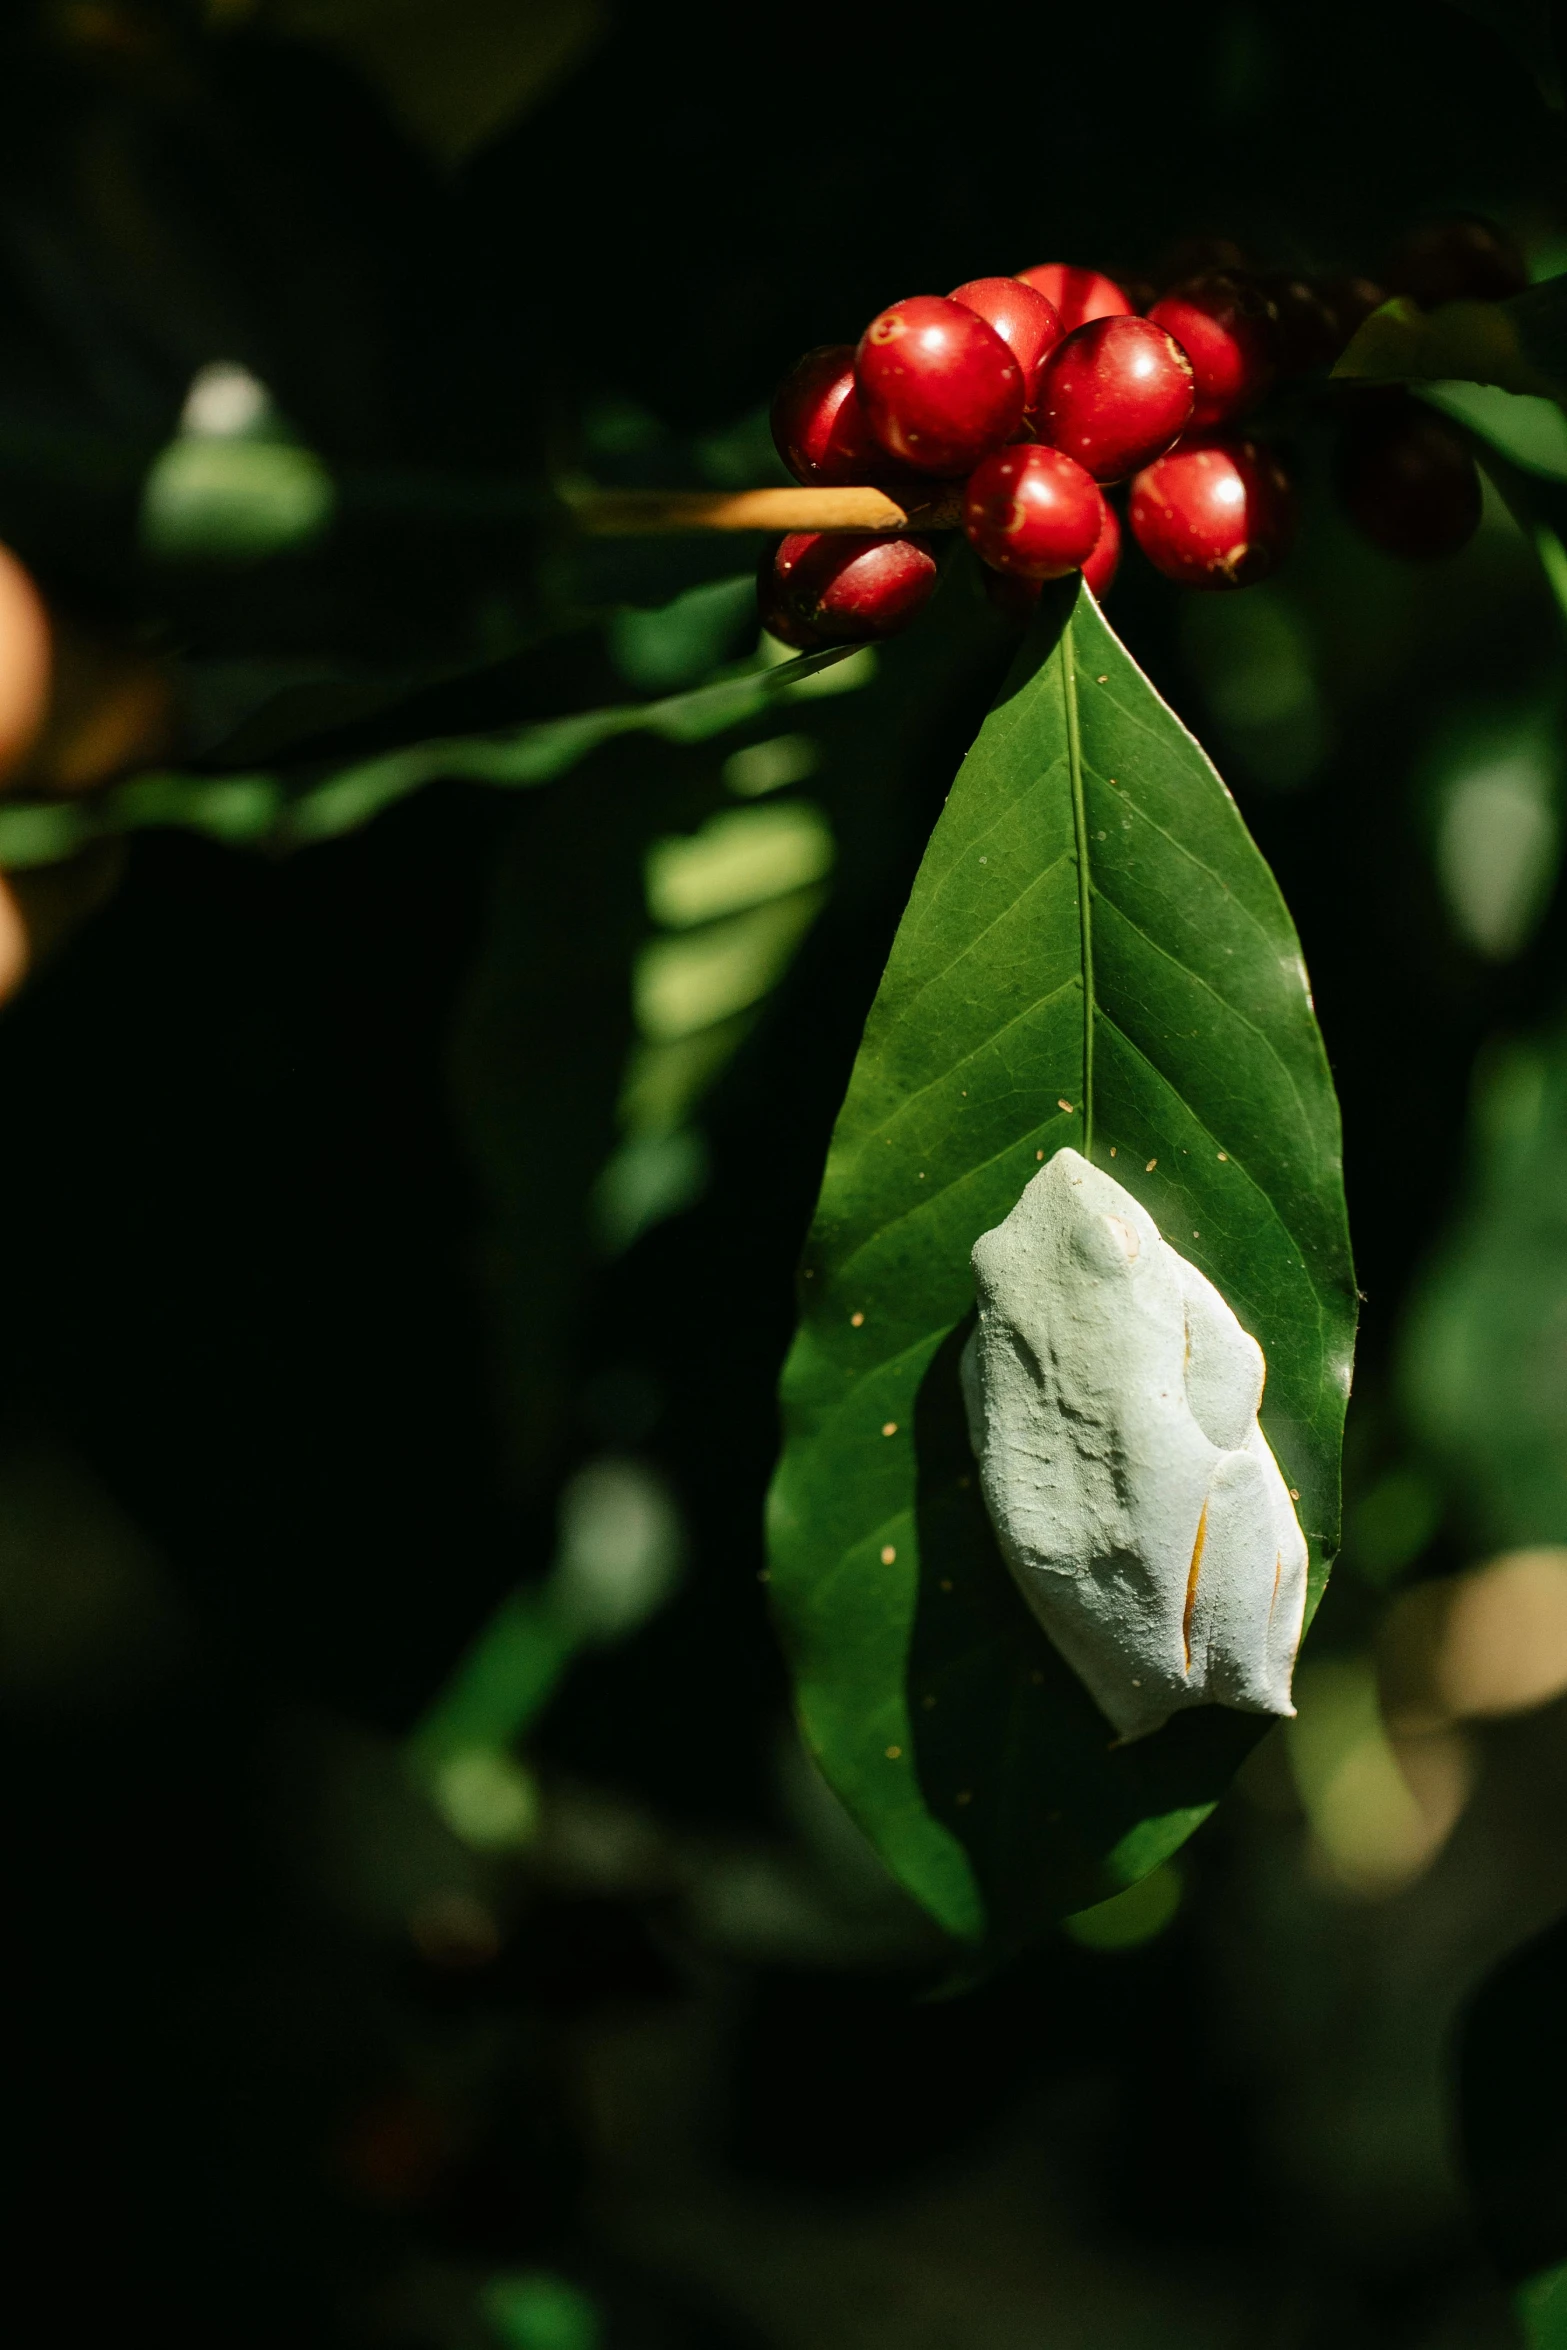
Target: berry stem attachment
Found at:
638, 513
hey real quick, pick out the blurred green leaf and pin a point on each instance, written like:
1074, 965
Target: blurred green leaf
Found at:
1520, 344
1165, 1029
1542, 2310
1484, 1349
1531, 432
541, 2312
274, 810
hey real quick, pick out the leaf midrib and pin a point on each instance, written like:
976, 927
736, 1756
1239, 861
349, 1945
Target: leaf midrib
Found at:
1085, 920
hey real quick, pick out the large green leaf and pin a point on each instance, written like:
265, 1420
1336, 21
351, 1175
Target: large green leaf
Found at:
1157, 1019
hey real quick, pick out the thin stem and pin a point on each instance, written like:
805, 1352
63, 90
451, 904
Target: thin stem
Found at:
1085, 926
633, 513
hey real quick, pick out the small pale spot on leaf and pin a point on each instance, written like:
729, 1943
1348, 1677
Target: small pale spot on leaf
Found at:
889, 1427
1148, 1170
856, 1321
895, 1754
888, 1554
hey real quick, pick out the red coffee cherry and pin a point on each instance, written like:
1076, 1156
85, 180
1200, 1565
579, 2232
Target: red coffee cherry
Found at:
1407, 479
1227, 328
1105, 561
823, 587
1018, 597
1215, 513
1114, 394
819, 427
1461, 259
1030, 510
939, 386
1309, 336
1077, 294
1027, 323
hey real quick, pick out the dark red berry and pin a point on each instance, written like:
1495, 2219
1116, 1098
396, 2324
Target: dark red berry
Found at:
1217, 512
939, 387
1105, 561
1228, 330
1076, 294
1027, 323
1033, 511
819, 427
1114, 394
1407, 479
1351, 300
844, 587
1309, 336
1462, 259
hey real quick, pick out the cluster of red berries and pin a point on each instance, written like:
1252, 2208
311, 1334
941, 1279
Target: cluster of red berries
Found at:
1038, 391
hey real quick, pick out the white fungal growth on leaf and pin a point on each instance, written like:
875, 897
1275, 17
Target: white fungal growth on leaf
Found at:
1112, 1404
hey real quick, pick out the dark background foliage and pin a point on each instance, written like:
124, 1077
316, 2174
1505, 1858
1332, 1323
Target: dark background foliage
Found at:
294, 1376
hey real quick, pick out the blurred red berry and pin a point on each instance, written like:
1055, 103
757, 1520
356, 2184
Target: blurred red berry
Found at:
1076, 294
1217, 512
1229, 332
1454, 260
1033, 511
939, 387
823, 587
1407, 479
1198, 257
1027, 323
1351, 301
819, 427
1308, 329
1114, 394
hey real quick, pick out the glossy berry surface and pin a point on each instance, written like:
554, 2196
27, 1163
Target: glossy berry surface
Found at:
843, 587
1218, 512
939, 387
1027, 323
1229, 332
1033, 511
1462, 259
1114, 394
819, 427
1105, 561
1407, 480
1077, 294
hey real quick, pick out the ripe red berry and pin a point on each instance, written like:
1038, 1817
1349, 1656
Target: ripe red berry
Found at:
1407, 479
1114, 394
1105, 561
1032, 510
1457, 260
1077, 294
939, 386
1018, 597
819, 427
1215, 513
1027, 323
1228, 330
823, 587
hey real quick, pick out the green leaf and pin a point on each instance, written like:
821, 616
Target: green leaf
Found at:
1483, 1375
277, 811
1520, 344
1542, 2310
1158, 1020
